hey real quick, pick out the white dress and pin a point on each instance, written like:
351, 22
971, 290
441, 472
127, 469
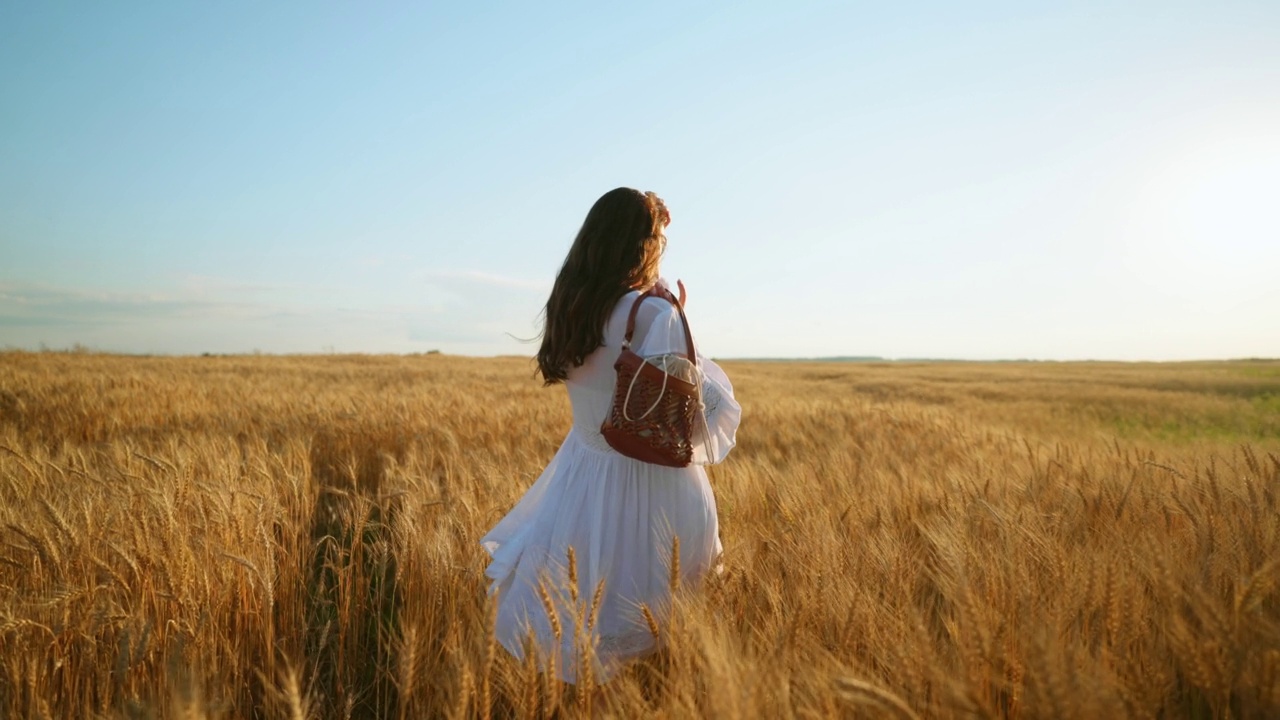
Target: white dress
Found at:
618, 514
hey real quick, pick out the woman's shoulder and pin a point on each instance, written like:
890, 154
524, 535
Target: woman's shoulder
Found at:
653, 311
652, 308
624, 303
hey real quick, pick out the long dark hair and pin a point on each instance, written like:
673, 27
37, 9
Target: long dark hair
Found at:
617, 249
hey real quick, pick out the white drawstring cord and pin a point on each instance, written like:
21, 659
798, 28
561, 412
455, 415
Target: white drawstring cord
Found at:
627, 400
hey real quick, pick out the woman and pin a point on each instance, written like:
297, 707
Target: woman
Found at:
585, 555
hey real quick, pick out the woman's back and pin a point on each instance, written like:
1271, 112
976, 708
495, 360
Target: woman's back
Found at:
591, 384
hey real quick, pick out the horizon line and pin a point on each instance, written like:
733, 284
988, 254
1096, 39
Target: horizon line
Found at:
78, 349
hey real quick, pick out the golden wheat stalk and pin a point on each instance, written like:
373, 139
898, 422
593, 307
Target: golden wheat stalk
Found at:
597, 598
573, 575
861, 689
649, 620
490, 652
553, 617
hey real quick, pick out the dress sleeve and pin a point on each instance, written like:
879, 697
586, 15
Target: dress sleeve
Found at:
721, 412
659, 331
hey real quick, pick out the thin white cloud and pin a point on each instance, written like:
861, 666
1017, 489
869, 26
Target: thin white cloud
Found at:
194, 320
26, 303
213, 286
485, 278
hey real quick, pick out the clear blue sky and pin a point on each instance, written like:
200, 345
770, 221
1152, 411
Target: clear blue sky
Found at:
1006, 180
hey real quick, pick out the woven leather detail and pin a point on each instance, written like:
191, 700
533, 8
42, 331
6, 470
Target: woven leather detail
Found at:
653, 413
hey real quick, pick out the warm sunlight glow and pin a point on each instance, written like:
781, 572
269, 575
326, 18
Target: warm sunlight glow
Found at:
1206, 213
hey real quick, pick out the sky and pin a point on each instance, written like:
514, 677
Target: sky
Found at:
943, 180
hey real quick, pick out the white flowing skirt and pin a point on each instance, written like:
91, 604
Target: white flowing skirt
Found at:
621, 517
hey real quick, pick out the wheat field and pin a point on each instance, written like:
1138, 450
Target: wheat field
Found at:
296, 537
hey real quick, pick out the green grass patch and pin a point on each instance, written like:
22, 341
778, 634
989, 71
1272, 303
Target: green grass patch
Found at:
1257, 420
